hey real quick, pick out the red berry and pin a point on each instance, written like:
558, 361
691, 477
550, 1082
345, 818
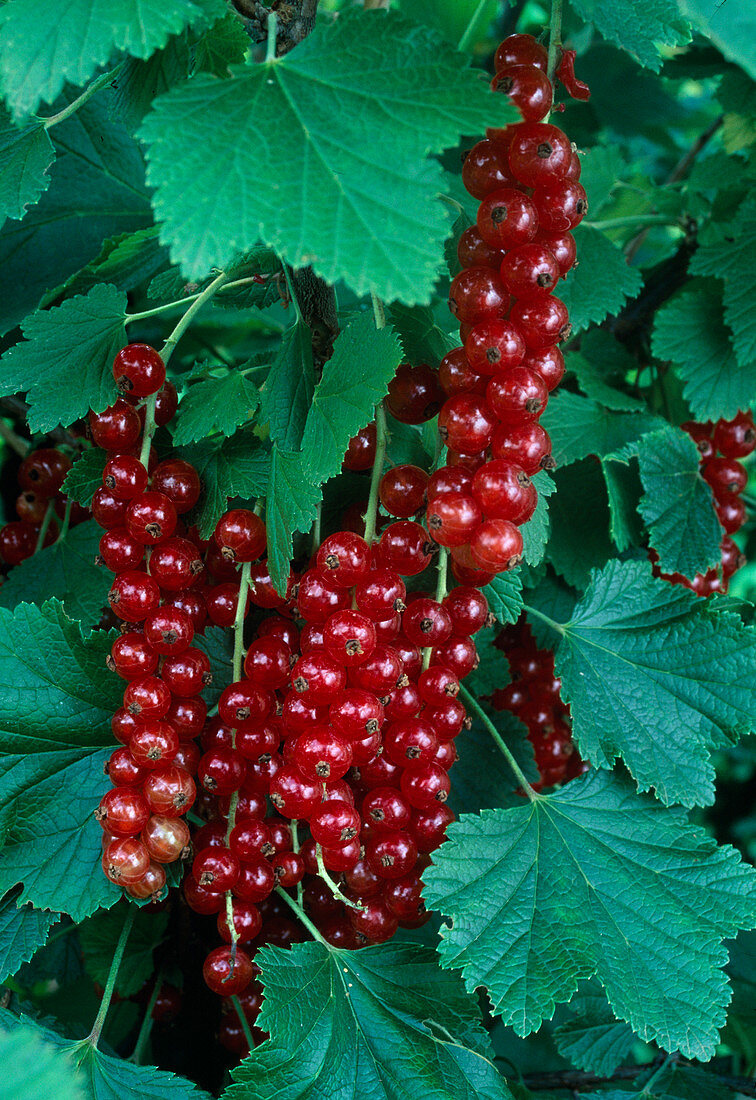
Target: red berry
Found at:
187, 673
150, 518
166, 839
170, 791
123, 811
43, 472
486, 169
468, 608
404, 547
496, 545
504, 491
168, 630
506, 218
133, 596
538, 152
561, 204
526, 445
246, 920
154, 744
521, 49
466, 423
125, 861
426, 622
131, 655
411, 741
380, 595
360, 453
477, 294
244, 704
472, 250
125, 477
529, 89
138, 370
334, 823
179, 481
349, 638
725, 475
380, 673
453, 518
356, 714
241, 536
457, 376
414, 394
268, 662
735, 438
119, 551
731, 512
117, 428
216, 868
424, 785
374, 922
344, 559
392, 854
561, 246
319, 596
428, 826
402, 490
493, 346
293, 794
228, 971
222, 770
518, 396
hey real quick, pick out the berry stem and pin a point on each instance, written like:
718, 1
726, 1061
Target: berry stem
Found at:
295, 848
94, 87
146, 1028
209, 292
559, 627
443, 562
66, 522
149, 430
555, 37
270, 50
50, 512
381, 439
316, 529
332, 886
473, 703
378, 311
243, 1021
471, 27
302, 916
94, 1036
145, 314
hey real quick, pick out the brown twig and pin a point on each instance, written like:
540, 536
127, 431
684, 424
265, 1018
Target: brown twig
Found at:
295, 19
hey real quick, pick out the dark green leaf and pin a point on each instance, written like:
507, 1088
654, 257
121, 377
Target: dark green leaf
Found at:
594, 879
218, 644
100, 932
85, 476
535, 533
590, 1036
124, 262
637, 26
731, 27
355, 379
504, 595
602, 281
222, 45
26, 153
677, 504
56, 738
287, 393
384, 1023
217, 405
656, 677
623, 489
353, 215
78, 339
291, 506
579, 516
689, 331
23, 930
140, 81
580, 427
421, 338
43, 47
482, 777
238, 466
65, 571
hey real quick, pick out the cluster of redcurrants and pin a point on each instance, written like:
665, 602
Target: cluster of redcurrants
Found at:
150, 772
40, 478
497, 384
534, 697
720, 446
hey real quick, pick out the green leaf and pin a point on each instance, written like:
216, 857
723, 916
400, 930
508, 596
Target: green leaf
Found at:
102, 1076
482, 777
656, 677
123, 261
352, 214
56, 738
677, 504
65, 571
579, 515
580, 427
641, 27
602, 281
731, 27
218, 405
594, 879
690, 333
535, 533
25, 155
623, 490
602, 171
100, 932
421, 338
33, 1068
85, 476
355, 379
492, 671
504, 595
97, 191
291, 506
139, 82
218, 644
222, 45
590, 1036
287, 393
238, 466
601, 364
726, 252
45, 45
452, 19
76, 340
23, 930
383, 1023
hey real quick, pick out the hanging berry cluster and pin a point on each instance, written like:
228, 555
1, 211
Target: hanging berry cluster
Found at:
720, 446
497, 384
152, 786
40, 506
534, 697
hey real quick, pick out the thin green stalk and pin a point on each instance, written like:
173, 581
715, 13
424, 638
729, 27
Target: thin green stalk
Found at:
94, 87
167, 306
381, 440
473, 704
314, 932
243, 1021
443, 562
209, 292
66, 522
241, 608
379, 311
149, 430
50, 512
471, 27
94, 1036
147, 1021
317, 529
15, 442
559, 627
270, 51
555, 37
333, 886
295, 848
292, 292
